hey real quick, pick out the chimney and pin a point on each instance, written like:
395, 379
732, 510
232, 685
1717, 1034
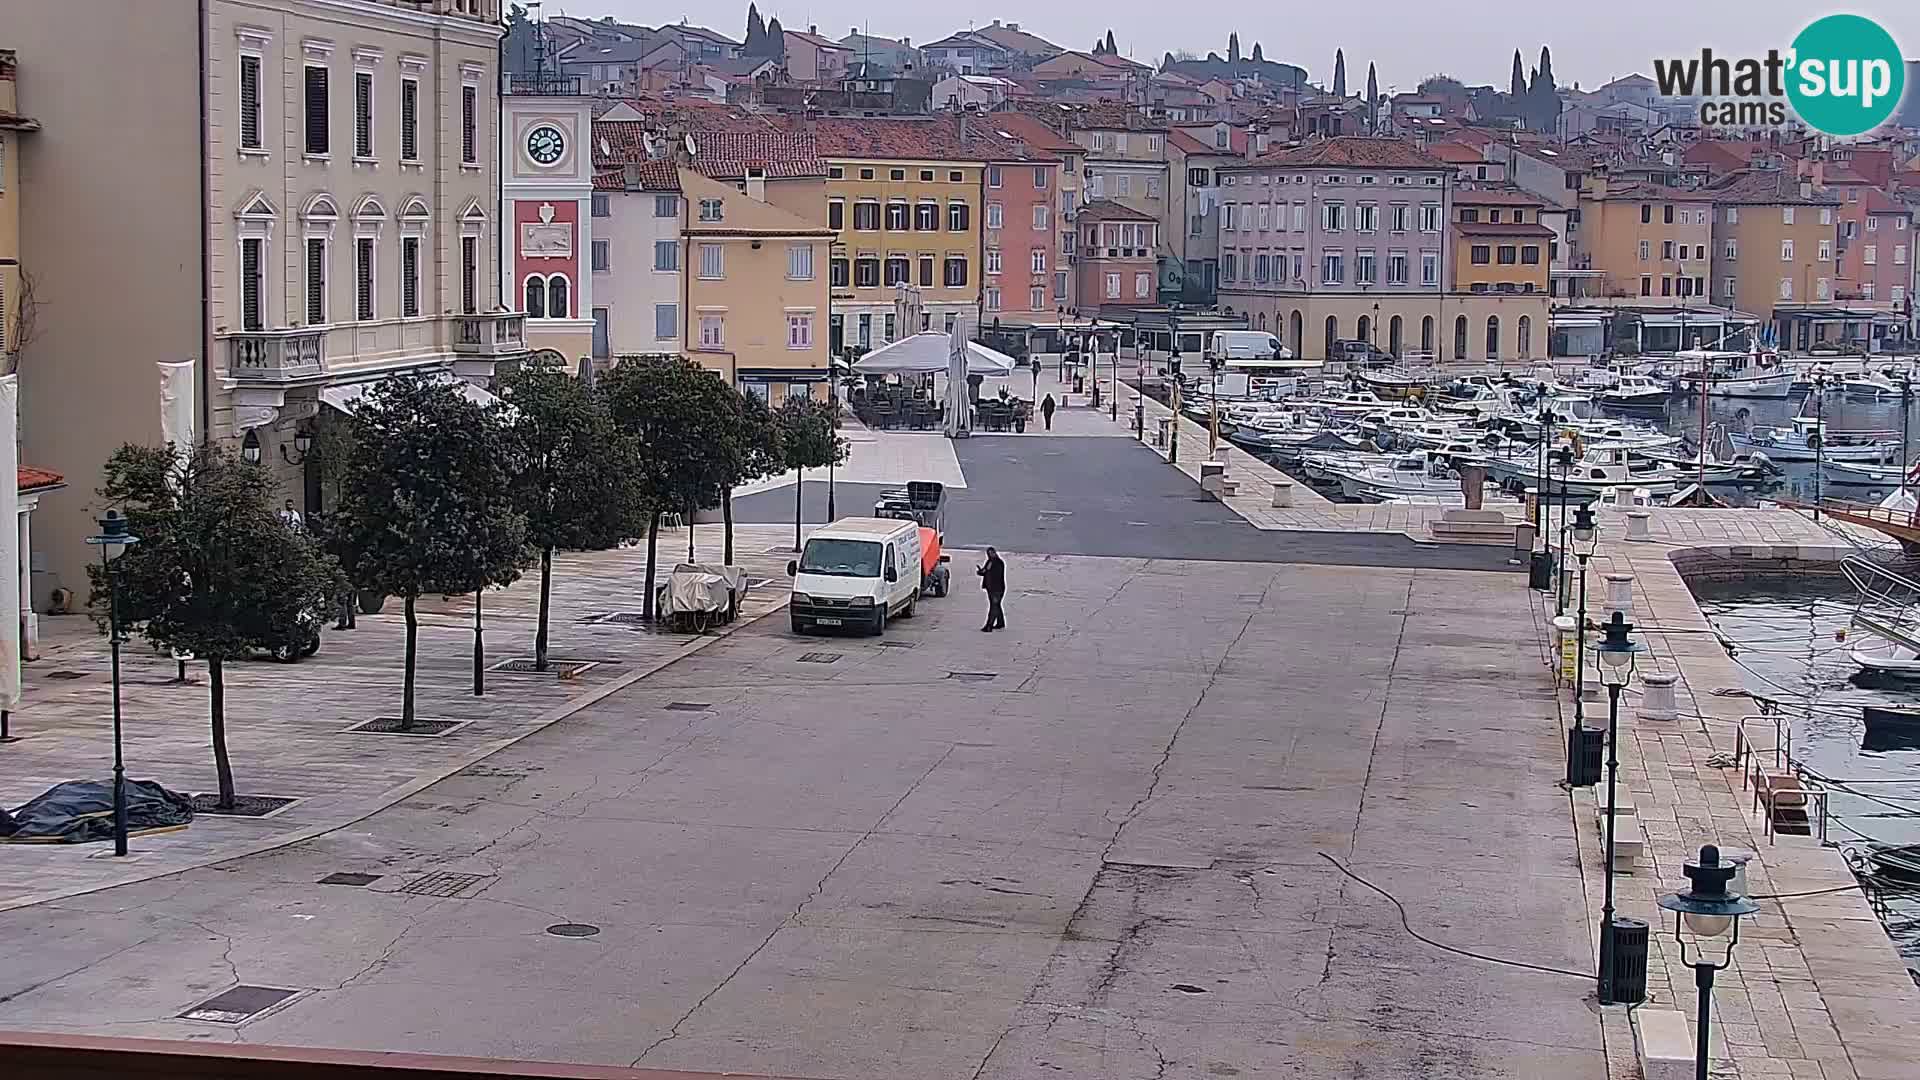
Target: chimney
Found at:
1013, 26
1806, 189
756, 183
996, 22
812, 29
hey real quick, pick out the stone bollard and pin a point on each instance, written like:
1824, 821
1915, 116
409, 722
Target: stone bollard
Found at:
1565, 631
1637, 525
1282, 493
1657, 699
1619, 596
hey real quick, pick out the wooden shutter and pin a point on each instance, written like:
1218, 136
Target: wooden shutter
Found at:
250, 314
409, 120
250, 102
469, 273
316, 110
316, 282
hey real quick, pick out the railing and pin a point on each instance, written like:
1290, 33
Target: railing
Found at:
550, 84
276, 356
497, 333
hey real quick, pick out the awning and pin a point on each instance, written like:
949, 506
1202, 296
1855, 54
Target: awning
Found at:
1557, 323
347, 397
1703, 318
931, 351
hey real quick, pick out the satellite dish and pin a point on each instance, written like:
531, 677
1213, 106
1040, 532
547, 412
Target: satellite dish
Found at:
646, 143
605, 150
692, 147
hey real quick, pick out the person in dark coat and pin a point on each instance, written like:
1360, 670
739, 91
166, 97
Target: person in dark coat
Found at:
993, 578
1046, 410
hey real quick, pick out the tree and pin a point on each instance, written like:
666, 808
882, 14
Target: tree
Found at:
752, 449
426, 505
1543, 98
1441, 86
776, 46
808, 440
1233, 48
16, 337
1339, 73
756, 41
1257, 58
1111, 50
1373, 100
575, 485
1517, 86
215, 572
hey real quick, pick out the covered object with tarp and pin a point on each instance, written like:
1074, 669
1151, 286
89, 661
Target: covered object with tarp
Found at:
931, 352
81, 811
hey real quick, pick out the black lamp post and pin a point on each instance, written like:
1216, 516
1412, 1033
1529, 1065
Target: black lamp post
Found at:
1563, 457
1616, 667
113, 535
1586, 537
250, 447
1173, 396
1709, 910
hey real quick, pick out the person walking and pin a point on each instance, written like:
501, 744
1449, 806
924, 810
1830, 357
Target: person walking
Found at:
993, 578
1047, 406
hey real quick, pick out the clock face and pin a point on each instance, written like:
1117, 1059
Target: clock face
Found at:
545, 144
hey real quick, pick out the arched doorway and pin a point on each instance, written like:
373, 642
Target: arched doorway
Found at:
1526, 338
1493, 337
1263, 320
1333, 334
1426, 335
1460, 338
1393, 337
1297, 332
1362, 329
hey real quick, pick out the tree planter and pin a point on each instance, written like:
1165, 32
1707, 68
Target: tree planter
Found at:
371, 602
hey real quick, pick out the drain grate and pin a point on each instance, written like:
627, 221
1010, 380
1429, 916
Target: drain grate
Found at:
688, 706
68, 674
820, 657
556, 668
208, 804
422, 728
621, 618
973, 676
238, 1005
573, 929
358, 881
446, 883
898, 644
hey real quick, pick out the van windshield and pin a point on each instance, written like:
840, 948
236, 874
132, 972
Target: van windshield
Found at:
841, 558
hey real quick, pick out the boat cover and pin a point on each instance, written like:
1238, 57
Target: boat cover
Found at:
81, 811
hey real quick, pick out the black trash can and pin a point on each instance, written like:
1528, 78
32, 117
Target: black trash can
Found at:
1629, 961
1584, 746
1540, 572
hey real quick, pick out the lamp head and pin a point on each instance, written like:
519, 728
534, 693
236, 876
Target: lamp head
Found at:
1616, 651
250, 447
303, 440
1563, 457
1706, 907
1585, 534
113, 533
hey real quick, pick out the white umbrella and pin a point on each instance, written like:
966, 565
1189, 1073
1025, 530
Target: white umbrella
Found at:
931, 351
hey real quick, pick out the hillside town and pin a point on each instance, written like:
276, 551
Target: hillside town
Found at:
552, 546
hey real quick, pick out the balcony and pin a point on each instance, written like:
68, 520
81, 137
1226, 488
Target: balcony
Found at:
276, 357
548, 84
495, 334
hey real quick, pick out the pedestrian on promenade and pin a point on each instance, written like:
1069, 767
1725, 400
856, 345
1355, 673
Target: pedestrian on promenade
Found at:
291, 517
993, 578
1046, 410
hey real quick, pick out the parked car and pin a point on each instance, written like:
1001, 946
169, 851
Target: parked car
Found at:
856, 573
300, 640
1363, 353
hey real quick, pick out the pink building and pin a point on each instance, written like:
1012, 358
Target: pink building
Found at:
1018, 240
1117, 268
1874, 261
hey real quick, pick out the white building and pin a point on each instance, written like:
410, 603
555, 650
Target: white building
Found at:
636, 259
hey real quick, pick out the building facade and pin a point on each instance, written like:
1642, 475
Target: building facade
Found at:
1117, 265
1018, 235
1648, 243
1040, 139
13, 125
1773, 242
546, 178
1498, 295
636, 258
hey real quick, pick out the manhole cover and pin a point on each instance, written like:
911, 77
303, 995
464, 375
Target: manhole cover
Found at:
820, 657
622, 618
898, 644
688, 706
358, 881
445, 883
556, 668
422, 727
573, 929
239, 1004
243, 805
67, 674
973, 676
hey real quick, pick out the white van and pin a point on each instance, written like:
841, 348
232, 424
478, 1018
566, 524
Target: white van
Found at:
856, 572
1249, 345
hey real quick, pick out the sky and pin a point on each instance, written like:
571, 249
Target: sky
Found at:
1408, 39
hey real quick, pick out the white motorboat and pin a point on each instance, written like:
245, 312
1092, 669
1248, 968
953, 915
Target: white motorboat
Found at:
1870, 387
1733, 374
1636, 392
1889, 659
1424, 473
1809, 440
1601, 467
1350, 404
1862, 474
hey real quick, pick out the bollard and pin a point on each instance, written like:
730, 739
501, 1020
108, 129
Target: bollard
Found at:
1637, 525
1657, 699
1619, 596
1166, 425
1282, 493
1564, 636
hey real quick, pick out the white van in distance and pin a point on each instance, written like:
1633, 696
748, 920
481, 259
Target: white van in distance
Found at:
856, 572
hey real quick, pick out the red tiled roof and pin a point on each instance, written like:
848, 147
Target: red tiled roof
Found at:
1766, 187
1879, 202
815, 40
1108, 210
16, 122
893, 138
1642, 191
1355, 151
32, 479
654, 176
1456, 153
1502, 228
726, 155
1032, 131
1842, 174
1495, 197
1190, 145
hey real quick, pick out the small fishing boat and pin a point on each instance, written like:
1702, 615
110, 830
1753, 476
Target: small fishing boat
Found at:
1870, 387
1636, 393
1863, 474
1807, 439
1733, 374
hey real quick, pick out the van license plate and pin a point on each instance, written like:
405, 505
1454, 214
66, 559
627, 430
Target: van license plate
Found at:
827, 622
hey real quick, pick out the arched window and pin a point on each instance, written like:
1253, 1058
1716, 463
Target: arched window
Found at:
557, 297
546, 297
1493, 337
1362, 329
1333, 334
1526, 338
1393, 337
1296, 331
1426, 335
536, 304
1460, 338
1263, 320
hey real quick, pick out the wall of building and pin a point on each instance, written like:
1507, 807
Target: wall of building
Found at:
631, 289
952, 182
1761, 273
1025, 190
1611, 232
1471, 244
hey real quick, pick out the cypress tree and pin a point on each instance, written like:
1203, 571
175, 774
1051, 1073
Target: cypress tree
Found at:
1339, 73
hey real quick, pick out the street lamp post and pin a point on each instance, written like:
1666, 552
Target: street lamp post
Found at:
1113, 394
1616, 668
1562, 457
1819, 440
1173, 376
1709, 910
1585, 539
114, 534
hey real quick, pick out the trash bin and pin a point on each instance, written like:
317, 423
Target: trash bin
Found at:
1629, 973
1540, 572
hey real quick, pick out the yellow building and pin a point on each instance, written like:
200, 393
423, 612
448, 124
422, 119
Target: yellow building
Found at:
756, 289
1773, 243
1499, 242
12, 126
1649, 241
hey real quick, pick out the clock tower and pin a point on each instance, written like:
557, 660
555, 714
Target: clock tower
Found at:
546, 172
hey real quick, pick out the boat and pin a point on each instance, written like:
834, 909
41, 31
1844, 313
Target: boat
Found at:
1807, 439
1861, 474
1349, 404
1714, 469
1423, 473
1600, 468
1393, 385
1870, 387
1635, 393
1733, 374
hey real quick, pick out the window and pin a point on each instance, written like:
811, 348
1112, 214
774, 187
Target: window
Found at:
836, 172
1363, 268
1261, 264
1493, 336
1786, 250
1038, 262
1646, 250
799, 331
1493, 216
666, 255
1037, 298
839, 273
1333, 216
926, 175
1733, 249
1733, 215
1870, 254
710, 210
1263, 218
316, 281
866, 174
897, 216
1866, 290
363, 278
316, 101
993, 176
956, 271
1899, 224
1530, 255
1826, 250
1482, 254
1786, 215
1899, 254
1666, 285
602, 260
1396, 268
601, 206
1820, 288
1469, 214
955, 176
1897, 293
363, 114
836, 213
1123, 184
469, 274
410, 120
1196, 178
1299, 217
926, 217
1666, 251
713, 261
1646, 285
1060, 284
1646, 213
252, 288
1153, 144
1729, 286
800, 262
1429, 217
958, 217
994, 217
713, 331
1227, 267
1398, 217
1142, 285
1332, 268
1041, 218
1666, 213
992, 298
897, 174
866, 272
666, 322
926, 271
1429, 268
1826, 215
469, 123
890, 328
1786, 288
1507, 255
993, 260
250, 103
1153, 187
1113, 286
1460, 337
666, 206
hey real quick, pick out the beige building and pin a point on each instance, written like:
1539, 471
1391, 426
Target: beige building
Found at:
12, 126
342, 228
756, 285
1648, 242
1773, 244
